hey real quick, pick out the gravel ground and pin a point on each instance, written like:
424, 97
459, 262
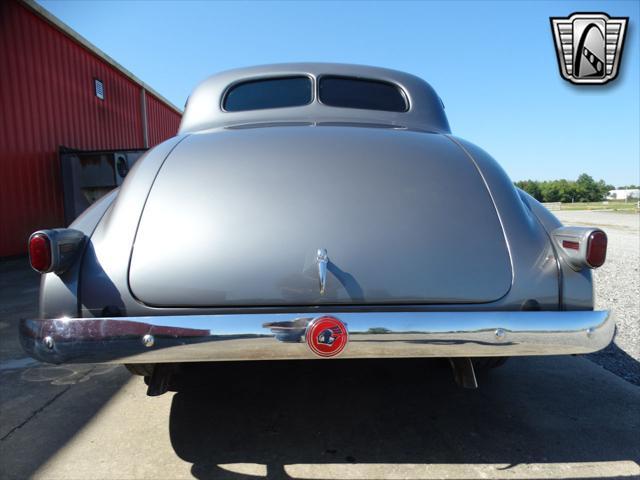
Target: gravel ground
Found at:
617, 287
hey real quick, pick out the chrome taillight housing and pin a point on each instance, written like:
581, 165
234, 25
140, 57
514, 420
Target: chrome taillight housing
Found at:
581, 247
54, 250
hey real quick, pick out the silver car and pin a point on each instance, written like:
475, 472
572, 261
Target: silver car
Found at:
309, 211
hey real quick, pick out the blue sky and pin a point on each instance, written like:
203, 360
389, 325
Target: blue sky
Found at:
493, 64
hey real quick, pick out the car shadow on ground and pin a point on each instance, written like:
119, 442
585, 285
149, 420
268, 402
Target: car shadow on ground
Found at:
617, 361
532, 410
34, 421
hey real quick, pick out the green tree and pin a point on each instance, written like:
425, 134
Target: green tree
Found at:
587, 190
584, 189
532, 187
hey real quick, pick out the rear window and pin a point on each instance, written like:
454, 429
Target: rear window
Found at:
268, 93
351, 92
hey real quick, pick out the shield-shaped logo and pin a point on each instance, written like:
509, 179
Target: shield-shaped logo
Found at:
589, 46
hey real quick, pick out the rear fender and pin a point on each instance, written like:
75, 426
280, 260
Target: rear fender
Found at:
106, 258
577, 285
60, 295
535, 271
59, 291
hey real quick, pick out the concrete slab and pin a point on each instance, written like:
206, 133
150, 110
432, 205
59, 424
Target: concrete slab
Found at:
555, 417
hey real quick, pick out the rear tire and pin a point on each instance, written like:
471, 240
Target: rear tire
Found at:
487, 363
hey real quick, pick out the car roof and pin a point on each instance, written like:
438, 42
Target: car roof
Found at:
204, 106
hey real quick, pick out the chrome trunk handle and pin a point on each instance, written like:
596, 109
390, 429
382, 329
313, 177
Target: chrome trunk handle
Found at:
322, 260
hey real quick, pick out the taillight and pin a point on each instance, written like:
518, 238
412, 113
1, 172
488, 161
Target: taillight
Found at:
40, 252
581, 247
596, 249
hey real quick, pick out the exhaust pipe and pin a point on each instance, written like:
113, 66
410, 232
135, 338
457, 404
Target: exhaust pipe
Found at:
463, 372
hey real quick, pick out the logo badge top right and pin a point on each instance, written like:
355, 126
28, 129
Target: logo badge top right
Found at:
589, 46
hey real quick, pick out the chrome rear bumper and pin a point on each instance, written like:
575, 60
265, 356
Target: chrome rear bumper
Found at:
164, 339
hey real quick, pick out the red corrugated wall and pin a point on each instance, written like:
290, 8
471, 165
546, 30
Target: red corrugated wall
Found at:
47, 99
163, 120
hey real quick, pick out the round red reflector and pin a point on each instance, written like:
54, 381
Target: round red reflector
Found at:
327, 336
40, 252
597, 249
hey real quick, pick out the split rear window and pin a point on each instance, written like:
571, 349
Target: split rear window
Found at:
268, 93
334, 91
351, 92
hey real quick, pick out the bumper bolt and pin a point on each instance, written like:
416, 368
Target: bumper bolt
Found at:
148, 340
48, 342
500, 333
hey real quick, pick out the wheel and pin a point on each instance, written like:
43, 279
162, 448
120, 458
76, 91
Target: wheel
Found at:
487, 363
142, 369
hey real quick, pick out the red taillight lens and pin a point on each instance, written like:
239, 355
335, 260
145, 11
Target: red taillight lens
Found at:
40, 252
597, 249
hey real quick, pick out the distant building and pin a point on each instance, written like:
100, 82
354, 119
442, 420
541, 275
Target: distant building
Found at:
58, 90
625, 194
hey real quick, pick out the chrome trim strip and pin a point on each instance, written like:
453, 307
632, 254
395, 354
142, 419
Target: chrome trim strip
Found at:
281, 336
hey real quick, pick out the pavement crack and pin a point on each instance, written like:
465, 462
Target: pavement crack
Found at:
43, 407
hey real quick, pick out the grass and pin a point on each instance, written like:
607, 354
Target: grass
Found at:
610, 205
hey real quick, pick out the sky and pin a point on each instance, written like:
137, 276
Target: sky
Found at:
493, 64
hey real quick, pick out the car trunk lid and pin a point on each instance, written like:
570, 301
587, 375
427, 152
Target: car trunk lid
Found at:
236, 218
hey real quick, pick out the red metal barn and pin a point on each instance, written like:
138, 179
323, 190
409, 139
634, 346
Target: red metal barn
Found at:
56, 89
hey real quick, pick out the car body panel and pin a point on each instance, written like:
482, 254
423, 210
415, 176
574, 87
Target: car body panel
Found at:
535, 282
262, 201
576, 286
59, 292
